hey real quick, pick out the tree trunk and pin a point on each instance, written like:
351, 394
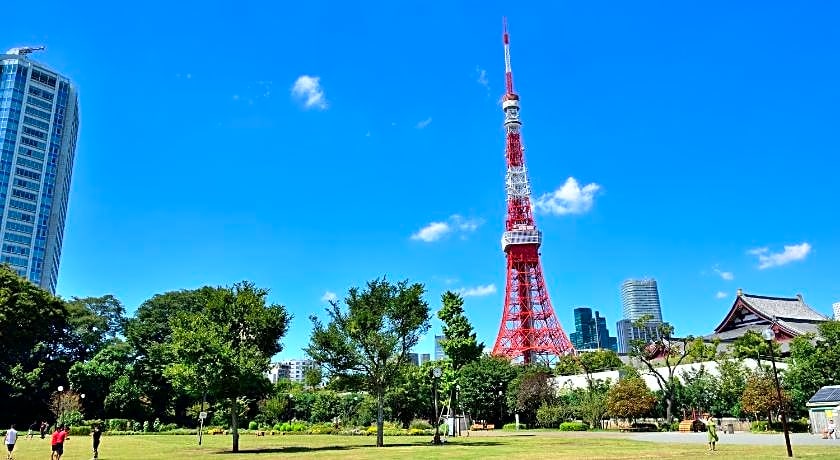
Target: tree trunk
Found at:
769, 419
452, 407
380, 402
234, 424
669, 404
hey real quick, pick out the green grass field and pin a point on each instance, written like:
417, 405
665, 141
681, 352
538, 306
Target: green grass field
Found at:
522, 446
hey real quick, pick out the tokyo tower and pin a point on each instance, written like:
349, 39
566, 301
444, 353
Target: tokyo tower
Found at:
529, 330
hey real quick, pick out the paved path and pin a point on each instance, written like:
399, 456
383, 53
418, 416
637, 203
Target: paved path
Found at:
796, 439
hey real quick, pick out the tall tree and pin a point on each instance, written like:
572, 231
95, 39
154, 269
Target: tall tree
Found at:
373, 337
813, 363
149, 333
225, 348
484, 384
96, 376
533, 387
668, 352
94, 321
33, 334
760, 395
459, 343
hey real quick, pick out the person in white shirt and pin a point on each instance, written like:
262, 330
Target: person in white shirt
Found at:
11, 439
831, 429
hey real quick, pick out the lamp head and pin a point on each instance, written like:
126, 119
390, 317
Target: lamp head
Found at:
437, 372
768, 334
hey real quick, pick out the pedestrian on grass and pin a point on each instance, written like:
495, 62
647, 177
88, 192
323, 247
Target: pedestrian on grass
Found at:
97, 436
711, 428
44, 428
11, 439
831, 430
57, 442
32, 429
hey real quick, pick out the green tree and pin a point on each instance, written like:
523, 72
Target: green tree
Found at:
484, 384
225, 348
599, 361
459, 343
668, 352
94, 322
568, 365
532, 388
96, 376
753, 346
411, 395
813, 363
34, 359
592, 402
313, 377
629, 399
149, 333
373, 337
731, 381
700, 390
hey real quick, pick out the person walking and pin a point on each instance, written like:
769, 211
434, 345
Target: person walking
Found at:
57, 442
831, 430
44, 428
32, 429
711, 428
11, 439
97, 436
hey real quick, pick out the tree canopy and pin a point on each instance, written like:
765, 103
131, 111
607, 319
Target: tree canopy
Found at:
372, 337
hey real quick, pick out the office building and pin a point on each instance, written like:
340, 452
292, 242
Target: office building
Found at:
414, 359
628, 332
39, 126
278, 371
439, 354
591, 333
836, 311
425, 358
292, 369
639, 298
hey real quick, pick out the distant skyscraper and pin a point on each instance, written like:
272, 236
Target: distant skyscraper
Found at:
414, 359
39, 125
297, 368
424, 358
591, 333
439, 354
836, 311
640, 297
627, 332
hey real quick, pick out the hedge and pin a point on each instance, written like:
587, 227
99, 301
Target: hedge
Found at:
574, 426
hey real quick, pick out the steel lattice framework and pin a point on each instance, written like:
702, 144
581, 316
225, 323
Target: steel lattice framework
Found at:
529, 329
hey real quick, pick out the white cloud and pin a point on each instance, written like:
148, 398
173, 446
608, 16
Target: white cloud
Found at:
308, 90
235, 97
437, 230
721, 295
329, 296
791, 253
424, 123
189, 76
432, 232
570, 198
368, 134
727, 276
478, 291
482, 77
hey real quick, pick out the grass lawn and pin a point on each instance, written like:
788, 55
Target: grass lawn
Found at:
522, 446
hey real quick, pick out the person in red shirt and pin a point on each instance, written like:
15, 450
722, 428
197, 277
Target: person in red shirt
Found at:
58, 443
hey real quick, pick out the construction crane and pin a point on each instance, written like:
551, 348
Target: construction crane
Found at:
24, 50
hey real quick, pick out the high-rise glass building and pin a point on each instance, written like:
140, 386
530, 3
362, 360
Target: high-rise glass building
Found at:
439, 354
39, 125
836, 307
591, 333
640, 297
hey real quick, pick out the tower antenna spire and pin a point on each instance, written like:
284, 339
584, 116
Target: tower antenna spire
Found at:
508, 71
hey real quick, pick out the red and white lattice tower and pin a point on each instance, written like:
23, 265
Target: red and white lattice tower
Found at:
529, 330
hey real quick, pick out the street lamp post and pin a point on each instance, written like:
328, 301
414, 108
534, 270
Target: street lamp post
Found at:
500, 407
436, 373
60, 405
769, 335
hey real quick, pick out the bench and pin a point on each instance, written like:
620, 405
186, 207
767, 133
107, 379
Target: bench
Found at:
481, 426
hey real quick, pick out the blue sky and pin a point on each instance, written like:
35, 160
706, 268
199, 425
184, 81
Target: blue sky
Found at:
702, 137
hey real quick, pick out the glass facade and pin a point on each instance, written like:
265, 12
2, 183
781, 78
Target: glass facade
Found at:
591, 333
639, 298
39, 125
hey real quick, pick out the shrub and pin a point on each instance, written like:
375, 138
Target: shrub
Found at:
278, 426
512, 426
95, 422
79, 431
168, 427
550, 416
322, 428
136, 426
253, 425
119, 424
156, 425
574, 426
795, 426
758, 426
419, 424
70, 418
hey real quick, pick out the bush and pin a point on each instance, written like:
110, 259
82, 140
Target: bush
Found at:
136, 426
168, 427
512, 426
119, 424
253, 425
70, 418
550, 416
574, 426
322, 428
79, 431
795, 426
94, 422
156, 425
758, 426
418, 424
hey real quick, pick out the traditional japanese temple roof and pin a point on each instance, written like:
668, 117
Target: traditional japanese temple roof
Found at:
791, 317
